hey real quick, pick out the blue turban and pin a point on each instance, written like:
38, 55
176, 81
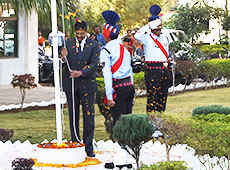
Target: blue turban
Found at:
110, 28
154, 10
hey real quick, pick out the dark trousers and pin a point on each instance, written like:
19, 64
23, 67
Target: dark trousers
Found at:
157, 82
87, 102
123, 102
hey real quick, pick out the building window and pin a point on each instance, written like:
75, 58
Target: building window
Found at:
8, 33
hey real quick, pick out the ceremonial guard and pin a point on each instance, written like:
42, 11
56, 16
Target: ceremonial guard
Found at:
118, 78
117, 71
157, 76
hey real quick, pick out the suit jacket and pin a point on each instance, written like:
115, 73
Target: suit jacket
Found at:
87, 63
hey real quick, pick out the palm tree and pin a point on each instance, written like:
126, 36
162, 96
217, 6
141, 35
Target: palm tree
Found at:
43, 8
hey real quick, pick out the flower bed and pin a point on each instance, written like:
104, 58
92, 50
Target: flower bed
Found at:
63, 145
64, 154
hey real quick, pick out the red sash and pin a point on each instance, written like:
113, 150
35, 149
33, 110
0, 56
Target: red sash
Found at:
114, 68
161, 47
117, 65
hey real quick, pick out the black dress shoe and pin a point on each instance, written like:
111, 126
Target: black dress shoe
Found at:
92, 154
109, 165
129, 166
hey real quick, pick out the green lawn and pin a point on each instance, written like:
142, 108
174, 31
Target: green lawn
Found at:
36, 126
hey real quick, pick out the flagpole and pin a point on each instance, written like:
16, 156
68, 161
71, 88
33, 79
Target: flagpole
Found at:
56, 71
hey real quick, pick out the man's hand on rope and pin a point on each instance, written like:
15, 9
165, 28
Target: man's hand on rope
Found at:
64, 53
75, 73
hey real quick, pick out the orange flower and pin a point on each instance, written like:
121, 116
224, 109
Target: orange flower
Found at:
87, 162
63, 145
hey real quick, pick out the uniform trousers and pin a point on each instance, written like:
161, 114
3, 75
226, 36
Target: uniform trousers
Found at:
123, 102
87, 102
157, 82
123, 106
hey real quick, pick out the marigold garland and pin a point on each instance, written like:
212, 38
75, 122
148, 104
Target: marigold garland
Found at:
88, 161
61, 146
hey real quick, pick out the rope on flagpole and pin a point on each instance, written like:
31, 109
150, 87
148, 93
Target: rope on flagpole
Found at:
62, 105
73, 100
63, 23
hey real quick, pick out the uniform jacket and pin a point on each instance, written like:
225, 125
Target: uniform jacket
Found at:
87, 64
152, 51
108, 59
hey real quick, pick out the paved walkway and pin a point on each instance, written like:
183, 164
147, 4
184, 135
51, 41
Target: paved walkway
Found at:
10, 95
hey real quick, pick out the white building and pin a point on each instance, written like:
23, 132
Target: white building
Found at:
214, 26
18, 51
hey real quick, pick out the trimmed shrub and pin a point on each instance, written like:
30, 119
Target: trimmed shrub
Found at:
224, 68
5, 134
210, 68
173, 165
132, 131
211, 109
209, 49
22, 164
210, 138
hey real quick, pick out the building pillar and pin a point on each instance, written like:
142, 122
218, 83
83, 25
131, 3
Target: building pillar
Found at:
31, 66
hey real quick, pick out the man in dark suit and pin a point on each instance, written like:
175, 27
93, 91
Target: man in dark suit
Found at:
79, 83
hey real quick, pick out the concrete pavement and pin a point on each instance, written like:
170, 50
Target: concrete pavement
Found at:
10, 95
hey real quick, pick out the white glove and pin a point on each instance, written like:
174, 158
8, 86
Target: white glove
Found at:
154, 24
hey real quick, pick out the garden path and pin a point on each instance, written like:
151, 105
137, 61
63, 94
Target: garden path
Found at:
10, 95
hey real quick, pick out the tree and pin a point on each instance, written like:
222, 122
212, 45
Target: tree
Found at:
174, 129
24, 82
186, 68
226, 23
188, 59
72, 12
43, 8
134, 13
226, 18
132, 131
194, 20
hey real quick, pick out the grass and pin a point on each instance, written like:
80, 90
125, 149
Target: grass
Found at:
38, 125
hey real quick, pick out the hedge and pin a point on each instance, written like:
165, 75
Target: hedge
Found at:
173, 165
214, 68
209, 49
209, 69
211, 109
210, 138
